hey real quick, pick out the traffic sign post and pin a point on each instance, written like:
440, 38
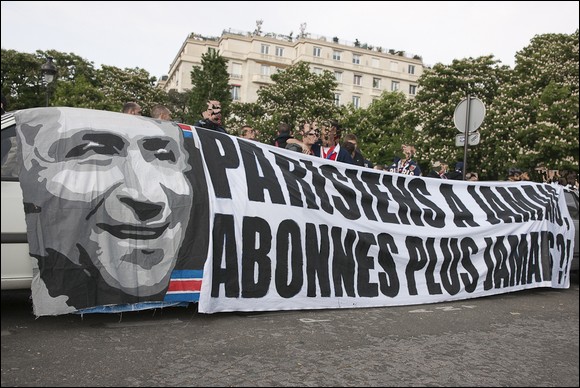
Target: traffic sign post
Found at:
468, 116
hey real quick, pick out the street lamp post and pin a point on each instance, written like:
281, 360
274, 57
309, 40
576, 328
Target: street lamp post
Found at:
48, 72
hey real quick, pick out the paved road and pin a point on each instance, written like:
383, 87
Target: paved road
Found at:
527, 338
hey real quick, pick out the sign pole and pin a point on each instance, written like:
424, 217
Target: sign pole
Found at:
466, 134
474, 112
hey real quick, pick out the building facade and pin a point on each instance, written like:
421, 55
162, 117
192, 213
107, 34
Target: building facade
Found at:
362, 71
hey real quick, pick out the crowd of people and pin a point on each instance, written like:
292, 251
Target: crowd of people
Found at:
325, 140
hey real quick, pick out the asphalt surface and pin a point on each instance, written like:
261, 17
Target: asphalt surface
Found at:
526, 338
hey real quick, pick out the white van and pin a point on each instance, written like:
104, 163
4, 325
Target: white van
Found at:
16, 262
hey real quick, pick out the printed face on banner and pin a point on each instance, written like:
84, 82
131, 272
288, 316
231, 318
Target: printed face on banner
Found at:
116, 196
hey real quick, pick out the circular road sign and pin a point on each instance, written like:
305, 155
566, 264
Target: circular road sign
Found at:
476, 114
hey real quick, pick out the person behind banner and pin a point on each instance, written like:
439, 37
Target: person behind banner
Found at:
457, 174
161, 112
514, 174
471, 176
330, 148
107, 204
434, 171
310, 137
132, 108
406, 165
357, 156
284, 133
247, 132
212, 117
306, 130
4, 104
351, 149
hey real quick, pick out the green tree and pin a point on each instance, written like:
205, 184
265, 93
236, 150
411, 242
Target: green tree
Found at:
22, 81
297, 94
210, 81
178, 104
75, 83
535, 116
250, 113
440, 90
381, 128
123, 85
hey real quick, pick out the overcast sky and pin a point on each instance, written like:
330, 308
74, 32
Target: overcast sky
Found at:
149, 34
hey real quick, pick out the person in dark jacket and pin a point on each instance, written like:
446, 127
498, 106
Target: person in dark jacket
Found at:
406, 165
357, 156
457, 174
438, 170
212, 117
330, 148
284, 133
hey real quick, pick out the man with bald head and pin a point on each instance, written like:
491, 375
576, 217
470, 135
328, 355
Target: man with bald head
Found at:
107, 204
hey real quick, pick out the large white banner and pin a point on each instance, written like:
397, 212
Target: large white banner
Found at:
291, 231
124, 213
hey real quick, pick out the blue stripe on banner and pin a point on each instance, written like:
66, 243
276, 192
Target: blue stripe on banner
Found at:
185, 295
187, 274
121, 308
182, 297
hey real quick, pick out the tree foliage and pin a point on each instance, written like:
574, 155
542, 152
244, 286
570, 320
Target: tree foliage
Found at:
296, 94
532, 111
22, 82
210, 81
381, 128
441, 89
535, 116
121, 86
77, 83
252, 114
178, 103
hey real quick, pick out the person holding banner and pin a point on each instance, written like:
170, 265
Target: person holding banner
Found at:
357, 156
514, 174
161, 112
326, 145
106, 222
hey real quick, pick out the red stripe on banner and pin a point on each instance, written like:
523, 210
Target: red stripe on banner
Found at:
184, 285
184, 127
